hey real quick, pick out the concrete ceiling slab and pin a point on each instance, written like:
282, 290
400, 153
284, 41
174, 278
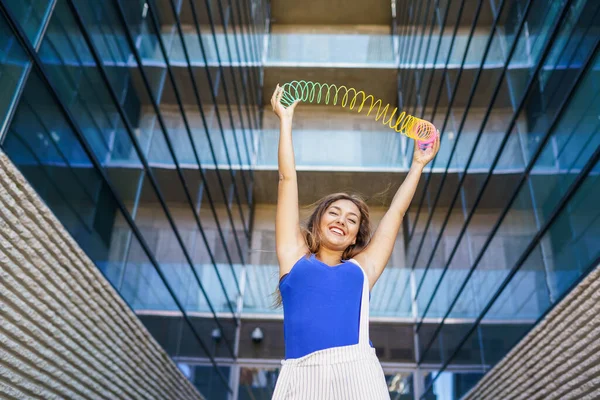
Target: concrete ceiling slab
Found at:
331, 12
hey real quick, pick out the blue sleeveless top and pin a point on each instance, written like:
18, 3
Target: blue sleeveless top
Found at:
321, 306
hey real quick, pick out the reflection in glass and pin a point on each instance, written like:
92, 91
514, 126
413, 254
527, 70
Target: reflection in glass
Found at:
450, 385
32, 15
13, 67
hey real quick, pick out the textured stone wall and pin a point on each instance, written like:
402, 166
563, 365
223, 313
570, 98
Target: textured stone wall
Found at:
64, 331
559, 358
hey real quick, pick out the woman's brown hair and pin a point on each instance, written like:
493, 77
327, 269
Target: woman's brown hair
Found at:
312, 233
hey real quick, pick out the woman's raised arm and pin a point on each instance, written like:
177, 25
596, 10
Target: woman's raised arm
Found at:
375, 257
289, 242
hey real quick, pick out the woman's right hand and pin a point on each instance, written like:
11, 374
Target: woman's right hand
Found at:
278, 108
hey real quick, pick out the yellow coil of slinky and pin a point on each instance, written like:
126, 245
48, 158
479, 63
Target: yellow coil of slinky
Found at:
324, 93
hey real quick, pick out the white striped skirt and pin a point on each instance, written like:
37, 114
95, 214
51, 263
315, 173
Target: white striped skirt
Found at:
344, 373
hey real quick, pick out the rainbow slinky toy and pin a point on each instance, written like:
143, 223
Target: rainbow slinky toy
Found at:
422, 131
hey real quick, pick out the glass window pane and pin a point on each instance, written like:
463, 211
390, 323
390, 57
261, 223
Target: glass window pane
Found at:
32, 16
14, 65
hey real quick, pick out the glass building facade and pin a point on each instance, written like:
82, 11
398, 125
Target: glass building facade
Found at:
507, 219
136, 123
140, 124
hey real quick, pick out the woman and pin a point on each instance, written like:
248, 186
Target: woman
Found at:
326, 274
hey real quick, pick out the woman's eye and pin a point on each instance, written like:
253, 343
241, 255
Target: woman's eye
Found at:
332, 213
352, 221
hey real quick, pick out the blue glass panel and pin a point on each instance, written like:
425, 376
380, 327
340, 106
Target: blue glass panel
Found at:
41, 143
14, 64
450, 385
32, 16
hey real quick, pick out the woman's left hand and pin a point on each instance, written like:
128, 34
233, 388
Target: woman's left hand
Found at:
423, 157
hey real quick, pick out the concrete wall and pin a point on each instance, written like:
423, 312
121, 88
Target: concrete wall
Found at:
559, 358
64, 331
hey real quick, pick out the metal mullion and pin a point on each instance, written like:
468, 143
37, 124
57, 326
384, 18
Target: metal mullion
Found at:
236, 93
45, 22
453, 96
527, 171
584, 145
574, 54
401, 75
590, 104
576, 205
532, 244
246, 77
65, 199
20, 35
403, 33
410, 47
400, 41
58, 150
419, 76
463, 120
248, 54
532, 79
422, 74
537, 37
213, 94
119, 50
193, 207
200, 169
451, 48
584, 231
420, 71
566, 45
235, 88
74, 50
247, 74
253, 53
229, 110
135, 143
84, 104
243, 14
411, 71
472, 154
104, 111
124, 56
394, 29
529, 85
444, 75
104, 39
87, 78
203, 117
149, 171
251, 25
20, 86
437, 53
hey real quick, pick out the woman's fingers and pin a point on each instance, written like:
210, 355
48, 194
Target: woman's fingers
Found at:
274, 97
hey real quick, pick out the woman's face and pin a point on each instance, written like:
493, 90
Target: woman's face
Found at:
339, 225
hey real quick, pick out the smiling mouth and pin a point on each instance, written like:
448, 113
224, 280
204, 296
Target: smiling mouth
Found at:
337, 231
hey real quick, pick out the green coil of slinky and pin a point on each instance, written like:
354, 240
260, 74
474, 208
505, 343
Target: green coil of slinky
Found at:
330, 94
